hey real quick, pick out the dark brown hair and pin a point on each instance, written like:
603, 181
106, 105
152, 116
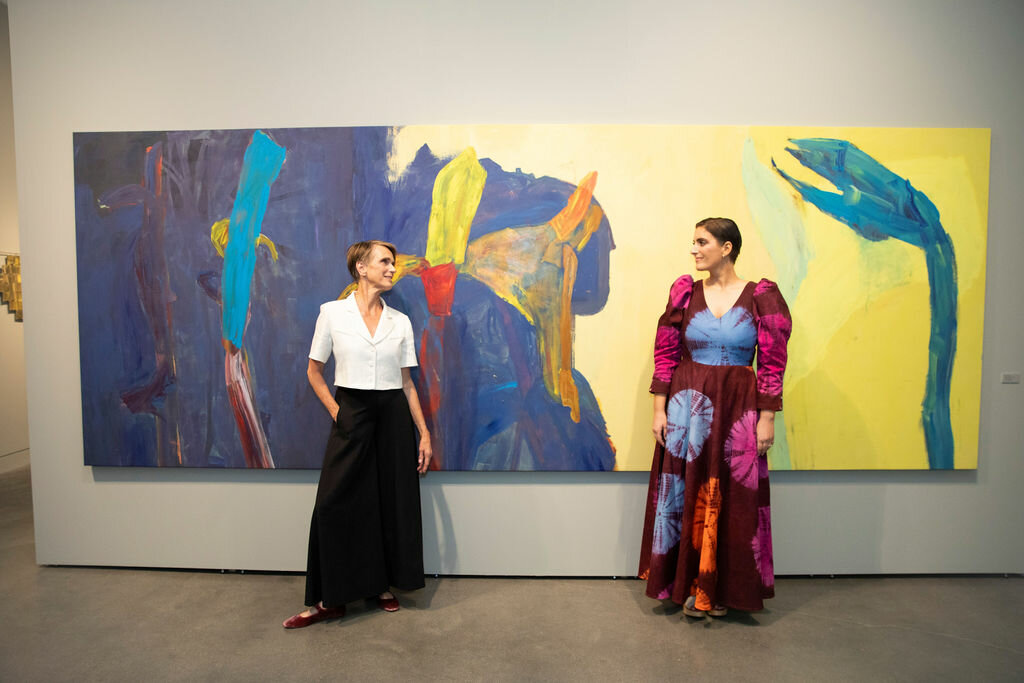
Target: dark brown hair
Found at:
360, 251
724, 230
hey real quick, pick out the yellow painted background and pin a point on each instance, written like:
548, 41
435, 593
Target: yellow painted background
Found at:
858, 355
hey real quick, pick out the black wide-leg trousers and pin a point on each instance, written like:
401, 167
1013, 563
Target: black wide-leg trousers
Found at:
366, 535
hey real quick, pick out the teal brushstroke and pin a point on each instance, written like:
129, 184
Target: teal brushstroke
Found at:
260, 166
779, 223
877, 204
784, 235
883, 267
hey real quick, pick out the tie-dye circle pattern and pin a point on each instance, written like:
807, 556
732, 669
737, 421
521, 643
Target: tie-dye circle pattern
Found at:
762, 546
689, 423
741, 450
670, 512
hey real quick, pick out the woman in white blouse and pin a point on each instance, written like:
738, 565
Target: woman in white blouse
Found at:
366, 535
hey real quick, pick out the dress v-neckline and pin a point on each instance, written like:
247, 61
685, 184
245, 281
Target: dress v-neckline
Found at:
726, 311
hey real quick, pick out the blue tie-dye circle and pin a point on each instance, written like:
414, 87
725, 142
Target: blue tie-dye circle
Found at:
689, 423
668, 513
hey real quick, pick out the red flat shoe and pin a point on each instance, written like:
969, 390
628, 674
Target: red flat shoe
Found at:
321, 614
389, 604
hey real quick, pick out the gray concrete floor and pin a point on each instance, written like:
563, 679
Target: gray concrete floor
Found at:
86, 624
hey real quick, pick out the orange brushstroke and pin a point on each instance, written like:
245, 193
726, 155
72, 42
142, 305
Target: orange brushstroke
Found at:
159, 190
590, 225
177, 443
569, 217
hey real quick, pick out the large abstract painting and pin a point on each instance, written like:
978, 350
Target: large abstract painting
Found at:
534, 262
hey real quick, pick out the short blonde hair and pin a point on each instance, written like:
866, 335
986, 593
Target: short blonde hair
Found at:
360, 251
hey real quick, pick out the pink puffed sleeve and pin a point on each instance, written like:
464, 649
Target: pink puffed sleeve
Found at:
773, 329
668, 343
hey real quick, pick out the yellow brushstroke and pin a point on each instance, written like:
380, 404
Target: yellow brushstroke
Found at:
507, 261
590, 225
566, 384
457, 191
407, 263
269, 244
219, 237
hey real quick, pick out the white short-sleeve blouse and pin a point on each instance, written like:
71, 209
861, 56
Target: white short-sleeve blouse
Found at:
361, 360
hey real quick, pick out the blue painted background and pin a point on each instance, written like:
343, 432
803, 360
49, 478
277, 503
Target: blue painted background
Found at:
332, 190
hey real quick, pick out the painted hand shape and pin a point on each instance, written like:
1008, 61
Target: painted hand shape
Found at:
531, 267
877, 204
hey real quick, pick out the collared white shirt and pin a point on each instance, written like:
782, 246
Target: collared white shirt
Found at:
362, 361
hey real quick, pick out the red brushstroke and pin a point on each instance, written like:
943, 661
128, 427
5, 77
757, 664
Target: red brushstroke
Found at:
431, 370
243, 406
439, 287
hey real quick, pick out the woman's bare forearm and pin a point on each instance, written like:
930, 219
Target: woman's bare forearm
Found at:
409, 387
315, 375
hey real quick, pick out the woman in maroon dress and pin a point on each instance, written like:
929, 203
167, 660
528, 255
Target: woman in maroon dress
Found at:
707, 535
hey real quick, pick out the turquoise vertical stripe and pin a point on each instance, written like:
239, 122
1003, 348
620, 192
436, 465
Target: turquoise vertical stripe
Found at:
260, 167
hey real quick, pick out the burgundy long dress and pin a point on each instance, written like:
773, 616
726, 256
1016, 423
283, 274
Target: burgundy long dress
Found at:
707, 532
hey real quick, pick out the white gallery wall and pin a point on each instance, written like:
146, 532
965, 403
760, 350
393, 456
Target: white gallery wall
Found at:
107, 65
13, 407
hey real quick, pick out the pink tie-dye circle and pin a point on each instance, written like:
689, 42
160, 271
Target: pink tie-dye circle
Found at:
741, 450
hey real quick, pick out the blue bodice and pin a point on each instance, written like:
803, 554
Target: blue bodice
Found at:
729, 340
